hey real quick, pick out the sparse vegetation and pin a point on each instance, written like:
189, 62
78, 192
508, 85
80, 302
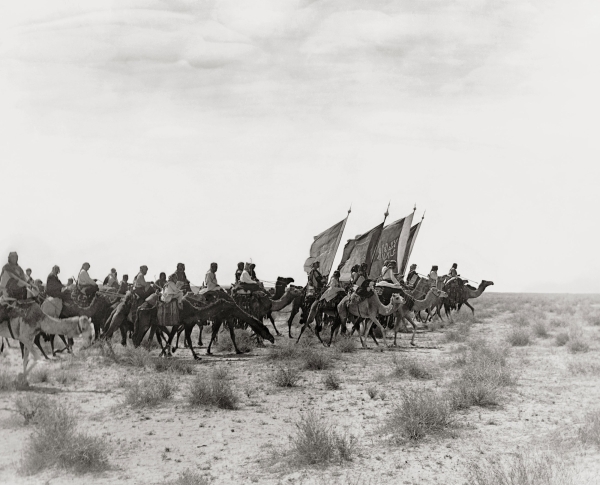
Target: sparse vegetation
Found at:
372, 391
518, 337
244, 342
287, 351
540, 329
175, 366
135, 357
577, 345
344, 344
316, 442
149, 392
332, 381
30, 405
420, 413
188, 477
460, 333
589, 431
521, 469
56, 441
316, 360
215, 391
287, 375
7, 382
561, 339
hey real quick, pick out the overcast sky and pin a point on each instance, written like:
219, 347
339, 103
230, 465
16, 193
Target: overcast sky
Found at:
155, 132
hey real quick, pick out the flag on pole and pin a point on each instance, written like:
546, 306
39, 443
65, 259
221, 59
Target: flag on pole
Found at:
359, 250
412, 237
325, 246
392, 244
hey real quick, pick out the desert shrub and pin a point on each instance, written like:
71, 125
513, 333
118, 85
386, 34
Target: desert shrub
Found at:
457, 334
344, 344
175, 366
332, 381
482, 377
135, 357
40, 375
7, 383
417, 369
577, 345
593, 319
589, 432
30, 405
66, 376
316, 360
584, 367
244, 342
149, 392
221, 373
521, 320
561, 339
518, 337
557, 322
372, 391
521, 469
540, 329
188, 477
316, 442
420, 412
212, 392
287, 351
55, 441
286, 376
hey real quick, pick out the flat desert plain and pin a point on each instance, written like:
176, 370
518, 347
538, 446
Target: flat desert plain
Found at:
510, 396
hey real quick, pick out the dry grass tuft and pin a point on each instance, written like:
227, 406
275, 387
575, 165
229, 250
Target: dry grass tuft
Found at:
584, 367
286, 351
135, 357
420, 413
518, 337
174, 366
216, 391
561, 339
149, 392
460, 333
372, 391
589, 432
55, 441
188, 477
40, 375
30, 405
332, 381
521, 469
540, 329
7, 382
344, 344
244, 342
578, 345
316, 359
316, 442
287, 376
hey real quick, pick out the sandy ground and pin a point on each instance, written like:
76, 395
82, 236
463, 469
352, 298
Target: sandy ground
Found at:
555, 389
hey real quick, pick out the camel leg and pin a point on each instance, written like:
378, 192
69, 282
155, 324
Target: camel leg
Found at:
178, 331
337, 322
123, 330
39, 346
376, 322
270, 317
188, 338
472, 309
304, 325
215, 329
295, 309
367, 329
412, 340
232, 336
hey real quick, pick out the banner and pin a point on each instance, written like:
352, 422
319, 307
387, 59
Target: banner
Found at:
359, 250
412, 237
324, 247
392, 245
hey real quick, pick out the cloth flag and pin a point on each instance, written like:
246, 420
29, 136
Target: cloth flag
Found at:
359, 250
325, 246
412, 237
392, 245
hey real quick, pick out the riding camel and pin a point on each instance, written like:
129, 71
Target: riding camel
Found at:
403, 312
301, 303
280, 288
323, 312
458, 295
98, 311
368, 309
25, 322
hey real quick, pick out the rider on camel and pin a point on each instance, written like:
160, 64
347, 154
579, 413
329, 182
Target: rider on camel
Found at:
87, 285
246, 281
413, 277
210, 280
315, 278
140, 287
238, 272
387, 273
182, 280
13, 281
433, 276
171, 291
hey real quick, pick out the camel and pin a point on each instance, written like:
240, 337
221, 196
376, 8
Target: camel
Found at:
458, 295
368, 309
25, 322
98, 311
280, 289
323, 312
301, 303
221, 308
403, 311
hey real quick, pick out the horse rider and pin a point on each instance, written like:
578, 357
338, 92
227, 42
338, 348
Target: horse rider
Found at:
87, 285
161, 281
182, 280
387, 273
433, 276
140, 287
124, 286
13, 281
112, 280
210, 280
238, 272
413, 276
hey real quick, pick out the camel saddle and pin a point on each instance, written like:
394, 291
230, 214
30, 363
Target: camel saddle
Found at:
168, 313
331, 293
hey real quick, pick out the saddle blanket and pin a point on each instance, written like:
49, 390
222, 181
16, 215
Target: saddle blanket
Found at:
168, 313
331, 293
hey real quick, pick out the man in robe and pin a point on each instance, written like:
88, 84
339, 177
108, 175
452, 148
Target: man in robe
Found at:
140, 287
387, 273
433, 276
13, 281
87, 285
315, 278
112, 279
161, 281
246, 280
238, 272
124, 286
413, 276
171, 291
52, 306
182, 280
210, 280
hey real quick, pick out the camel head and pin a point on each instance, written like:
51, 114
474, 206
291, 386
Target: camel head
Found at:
87, 330
396, 300
284, 281
294, 291
484, 284
439, 293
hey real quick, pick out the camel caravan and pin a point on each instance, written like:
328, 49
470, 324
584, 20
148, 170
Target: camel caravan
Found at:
367, 290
